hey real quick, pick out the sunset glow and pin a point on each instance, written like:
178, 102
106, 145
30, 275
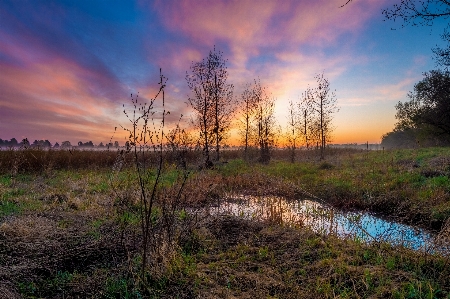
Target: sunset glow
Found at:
68, 66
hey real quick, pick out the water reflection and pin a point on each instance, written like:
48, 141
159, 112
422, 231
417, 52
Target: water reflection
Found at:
326, 220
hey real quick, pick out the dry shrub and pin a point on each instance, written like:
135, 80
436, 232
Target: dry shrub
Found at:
54, 198
202, 188
15, 161
312, 154
326, 166
210, 188
44, 161
75, 203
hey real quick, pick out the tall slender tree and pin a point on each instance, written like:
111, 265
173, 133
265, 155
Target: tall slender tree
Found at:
265, 122
304, 118
293, 129
322, 104
223, 100
212, 101
248, 107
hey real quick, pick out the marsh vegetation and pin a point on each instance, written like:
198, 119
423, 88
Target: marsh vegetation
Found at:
75, 229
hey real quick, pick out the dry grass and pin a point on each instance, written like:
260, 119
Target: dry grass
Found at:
243, 259
74, 235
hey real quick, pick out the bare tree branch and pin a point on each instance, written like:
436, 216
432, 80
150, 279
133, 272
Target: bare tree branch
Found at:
418, 13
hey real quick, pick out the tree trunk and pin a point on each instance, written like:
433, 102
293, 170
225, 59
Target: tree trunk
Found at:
205, 134
322, 139
246, 130
216, 127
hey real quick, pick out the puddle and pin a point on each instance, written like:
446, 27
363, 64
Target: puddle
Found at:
326, 220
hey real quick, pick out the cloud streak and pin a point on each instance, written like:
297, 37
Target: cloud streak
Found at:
67, 67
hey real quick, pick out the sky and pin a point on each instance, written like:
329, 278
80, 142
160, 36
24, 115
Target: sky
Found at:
68, 67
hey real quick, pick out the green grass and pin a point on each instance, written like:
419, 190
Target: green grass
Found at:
5, 180
307, 266
128, 218
48, 287
8, 208
379, 181
118, 287
228, 257
95, 226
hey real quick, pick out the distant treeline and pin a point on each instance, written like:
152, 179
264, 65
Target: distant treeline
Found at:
13, 143
66, 144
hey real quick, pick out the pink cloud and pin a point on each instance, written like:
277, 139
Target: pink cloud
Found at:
250, 29
56, 96
248, 26
396, 91
59, 83
207, 21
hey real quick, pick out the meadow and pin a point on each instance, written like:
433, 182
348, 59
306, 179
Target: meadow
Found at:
71, 225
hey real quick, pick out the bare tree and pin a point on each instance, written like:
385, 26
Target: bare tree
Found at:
418, 12
424, 13
199, 81
304, 118
141, 140
442, 55
158, 204
265, 123
322, 103
179, 142
248, 107
223, 99
212, 100
293, 129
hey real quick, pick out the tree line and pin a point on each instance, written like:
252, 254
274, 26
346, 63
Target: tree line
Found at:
215, 107
13, 143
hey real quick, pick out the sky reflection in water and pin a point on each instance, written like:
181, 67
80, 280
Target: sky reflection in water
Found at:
326, 220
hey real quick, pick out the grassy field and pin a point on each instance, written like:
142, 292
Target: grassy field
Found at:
70, 226
411, 186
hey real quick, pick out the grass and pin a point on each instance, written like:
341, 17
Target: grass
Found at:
398, 184
8, 208
288, 263
74, 231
